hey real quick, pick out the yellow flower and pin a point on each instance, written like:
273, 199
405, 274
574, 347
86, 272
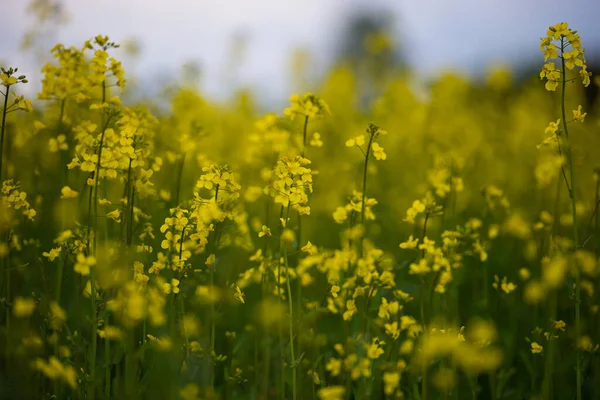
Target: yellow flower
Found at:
172, 287
191, 391
334, 366
23, 104
316, 141
335, 289
503, 285
340, 215
164, 343
210, 261
378, 151
309, 248
392, 330
58, 143
23, 306
68, 193
350, 310
265, 231
524, 273
578, 115
315, 376
83, 264
374, 351
110, 332
411, 243
332, 393
239, 295
288, 236
391, 381
7, 81
307, 105
560, 325
536, 348
417, 208
115, 215
356, 141
54, 369
52, 254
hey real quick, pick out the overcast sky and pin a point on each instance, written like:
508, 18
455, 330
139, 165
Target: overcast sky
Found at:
438, 34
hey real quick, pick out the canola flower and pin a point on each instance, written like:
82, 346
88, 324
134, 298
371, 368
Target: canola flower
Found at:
207, 251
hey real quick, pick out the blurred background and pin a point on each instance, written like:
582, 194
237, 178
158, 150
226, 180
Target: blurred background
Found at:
275, 48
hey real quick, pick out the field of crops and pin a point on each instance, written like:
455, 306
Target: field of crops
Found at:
419, 245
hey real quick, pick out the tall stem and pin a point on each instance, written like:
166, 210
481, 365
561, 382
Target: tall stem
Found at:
424, 384
2, 261
291, 319
4, 110
299, 281
569, 152
213, 325
304, 129
92, 271
364, 188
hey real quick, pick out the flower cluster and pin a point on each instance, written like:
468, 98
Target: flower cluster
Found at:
308, 105
354, 207
373, 147
8, 79
575, 57
13, 197
291, 184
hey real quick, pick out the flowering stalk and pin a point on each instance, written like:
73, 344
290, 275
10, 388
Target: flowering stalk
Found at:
4, 110
372, 147
574, 214
568, 60
298, 281
7, 80
424, 384
95, 223
213, 327
364, 184
291, 319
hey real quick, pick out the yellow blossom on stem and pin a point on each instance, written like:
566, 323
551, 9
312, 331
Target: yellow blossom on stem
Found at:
578, 115
23, 306
265, 231
52, 254
536, 348
84, 263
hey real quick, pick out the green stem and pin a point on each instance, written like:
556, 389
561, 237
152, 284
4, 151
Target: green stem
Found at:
213, 327
424, 384
569, 152
58, 291
547, 382
364, 189
179, 178
4, 110
8, 309
131, 212
304, 136
126, 190
2, 263
92, 271
107, 361
299, 281
597, 215
291, 319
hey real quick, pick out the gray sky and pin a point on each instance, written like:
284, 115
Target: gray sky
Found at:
438, 34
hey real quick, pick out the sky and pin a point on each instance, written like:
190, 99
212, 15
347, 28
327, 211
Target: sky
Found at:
437, 35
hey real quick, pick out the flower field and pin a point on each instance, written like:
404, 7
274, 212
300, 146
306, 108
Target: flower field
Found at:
421, 245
